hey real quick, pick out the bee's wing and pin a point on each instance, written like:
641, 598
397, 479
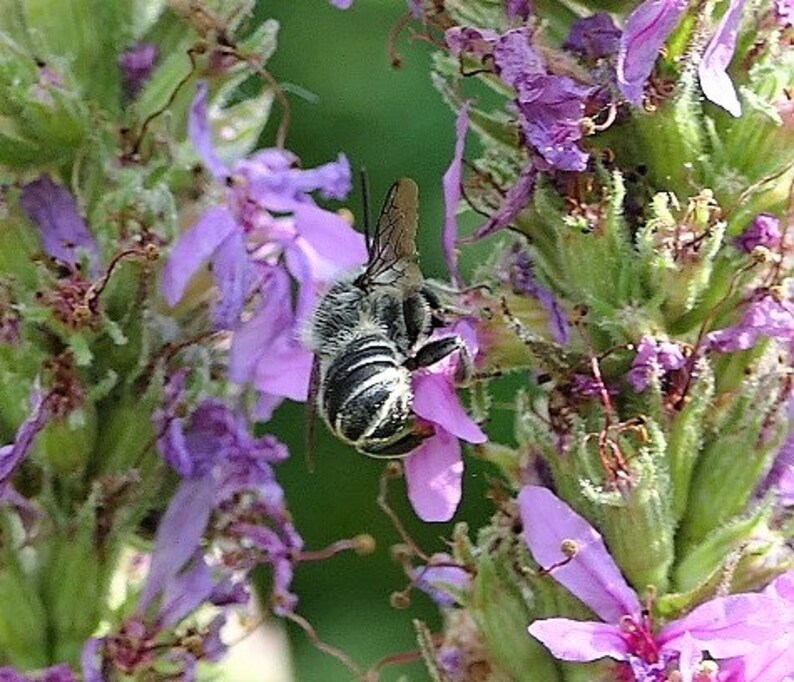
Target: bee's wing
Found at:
393, 255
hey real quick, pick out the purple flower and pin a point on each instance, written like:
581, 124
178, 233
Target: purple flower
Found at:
521, 276
452, 194
647, 28
13, 454
724, 627
519, 9
474, 42
250, 230
781, 476
594, 37
550, 106
452, 661
266, 351
516, 200
587, 386
434, 470
653, 359
766, 317
714, 80
342, 4
442, 579
775, 659
763, 231
228, 493
137, 64
64, 233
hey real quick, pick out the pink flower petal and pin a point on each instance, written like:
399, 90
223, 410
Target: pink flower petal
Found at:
285, 370
200, 133
729, 626
591, 574
434, 472
252, 340
436, 400
232, 272
330, 244
714, 80
647, 28
582, 641
452, 195
193, 249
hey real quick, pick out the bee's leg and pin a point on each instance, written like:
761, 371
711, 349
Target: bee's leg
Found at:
418, 316
398, 448
436, 350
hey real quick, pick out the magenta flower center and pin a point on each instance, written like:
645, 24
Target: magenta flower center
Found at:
639, 638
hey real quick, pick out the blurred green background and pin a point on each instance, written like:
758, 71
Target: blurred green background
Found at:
394, 123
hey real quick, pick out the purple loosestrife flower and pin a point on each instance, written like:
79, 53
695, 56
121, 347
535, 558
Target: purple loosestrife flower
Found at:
550, 106
515, 201
763, 231
724, 627
716, 84
228, 495
594, 37
647, 27
442, 579
250, 227
768, 317
13, 454
64, 233
452, 195
774, 660
653, 359
434, 470
265, 350
137, 64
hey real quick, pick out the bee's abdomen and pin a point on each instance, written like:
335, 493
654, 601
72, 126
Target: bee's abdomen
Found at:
367, 391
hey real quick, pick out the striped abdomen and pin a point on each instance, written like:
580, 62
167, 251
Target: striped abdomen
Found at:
366, 392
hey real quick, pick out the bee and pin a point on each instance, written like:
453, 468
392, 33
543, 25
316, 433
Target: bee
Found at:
370, 332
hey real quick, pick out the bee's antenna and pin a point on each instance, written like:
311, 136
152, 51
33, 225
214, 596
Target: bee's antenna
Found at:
365, 207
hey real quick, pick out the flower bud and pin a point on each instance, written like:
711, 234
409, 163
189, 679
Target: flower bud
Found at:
23, 620
503, 616
67, 444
